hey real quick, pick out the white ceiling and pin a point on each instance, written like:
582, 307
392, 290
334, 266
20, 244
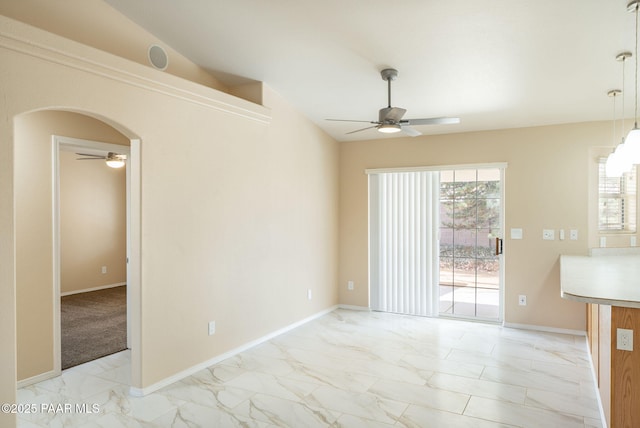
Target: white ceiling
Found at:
493, 63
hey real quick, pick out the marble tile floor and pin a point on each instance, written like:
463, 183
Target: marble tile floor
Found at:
349, 369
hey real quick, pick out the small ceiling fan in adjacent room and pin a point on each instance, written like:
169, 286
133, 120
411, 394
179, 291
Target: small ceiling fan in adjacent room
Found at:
113, 160
390, 118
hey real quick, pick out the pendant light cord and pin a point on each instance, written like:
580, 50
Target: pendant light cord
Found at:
635, 124
624, 63
614, 118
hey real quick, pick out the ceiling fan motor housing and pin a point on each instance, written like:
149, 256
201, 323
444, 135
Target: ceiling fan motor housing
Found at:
390, 114
382, 115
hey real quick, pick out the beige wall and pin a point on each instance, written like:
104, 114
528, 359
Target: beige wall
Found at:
93, 228
239, 204
34, 227
546, 188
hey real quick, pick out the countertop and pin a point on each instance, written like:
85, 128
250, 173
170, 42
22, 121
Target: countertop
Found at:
603, 279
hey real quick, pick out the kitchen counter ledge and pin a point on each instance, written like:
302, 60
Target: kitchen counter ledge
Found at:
601, 279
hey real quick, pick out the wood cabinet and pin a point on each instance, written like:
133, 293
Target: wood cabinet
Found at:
617, 372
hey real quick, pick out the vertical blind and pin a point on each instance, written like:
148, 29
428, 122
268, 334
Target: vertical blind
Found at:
403, 248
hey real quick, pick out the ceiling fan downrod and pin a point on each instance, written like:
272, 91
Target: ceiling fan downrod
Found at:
389, 74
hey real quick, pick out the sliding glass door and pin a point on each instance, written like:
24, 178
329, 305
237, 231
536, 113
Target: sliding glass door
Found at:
434, 241
470, 222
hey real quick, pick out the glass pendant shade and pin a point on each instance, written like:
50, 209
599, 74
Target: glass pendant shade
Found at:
632, 146
612, 167
619, 161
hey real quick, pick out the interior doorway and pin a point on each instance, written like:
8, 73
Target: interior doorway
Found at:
91, 226
36, 261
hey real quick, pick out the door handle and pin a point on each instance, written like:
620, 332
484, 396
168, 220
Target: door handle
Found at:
498, 246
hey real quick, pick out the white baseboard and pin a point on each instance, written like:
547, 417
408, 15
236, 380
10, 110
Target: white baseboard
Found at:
603, 418
37, 378
87, 290
545, 329
354, 308
140, 392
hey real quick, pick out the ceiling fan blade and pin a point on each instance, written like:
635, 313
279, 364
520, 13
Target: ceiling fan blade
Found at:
363, 129
391, 114
91, 155
431, 121
348, 120
410, 131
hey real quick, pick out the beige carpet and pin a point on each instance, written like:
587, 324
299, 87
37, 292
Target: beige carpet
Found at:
94, 324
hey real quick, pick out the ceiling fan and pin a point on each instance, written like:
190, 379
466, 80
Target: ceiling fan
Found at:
390, 118
114, 160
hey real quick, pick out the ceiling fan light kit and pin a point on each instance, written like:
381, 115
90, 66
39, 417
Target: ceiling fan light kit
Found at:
115, 163
389, 128
390, 118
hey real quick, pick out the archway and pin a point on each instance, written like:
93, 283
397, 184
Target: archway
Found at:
37, 271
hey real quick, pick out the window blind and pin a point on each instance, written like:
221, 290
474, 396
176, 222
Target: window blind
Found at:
403, 220
617, 200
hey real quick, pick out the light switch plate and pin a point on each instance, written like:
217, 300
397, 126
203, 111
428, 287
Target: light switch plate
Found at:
548, 234
516, 233
573, 234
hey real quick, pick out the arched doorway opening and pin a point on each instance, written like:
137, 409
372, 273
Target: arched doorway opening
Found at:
37, 142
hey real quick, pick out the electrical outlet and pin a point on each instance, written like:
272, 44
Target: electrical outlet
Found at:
104, 269
625, 339
212, 328
522, 300
548, 234
350, 285
573, 234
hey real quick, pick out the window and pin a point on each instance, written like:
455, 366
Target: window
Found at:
617, 201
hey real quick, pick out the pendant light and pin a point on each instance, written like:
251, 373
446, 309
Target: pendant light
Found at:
632, 142
618, 162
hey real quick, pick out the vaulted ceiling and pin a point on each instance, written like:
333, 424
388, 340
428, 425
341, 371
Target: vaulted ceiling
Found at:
494, 63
